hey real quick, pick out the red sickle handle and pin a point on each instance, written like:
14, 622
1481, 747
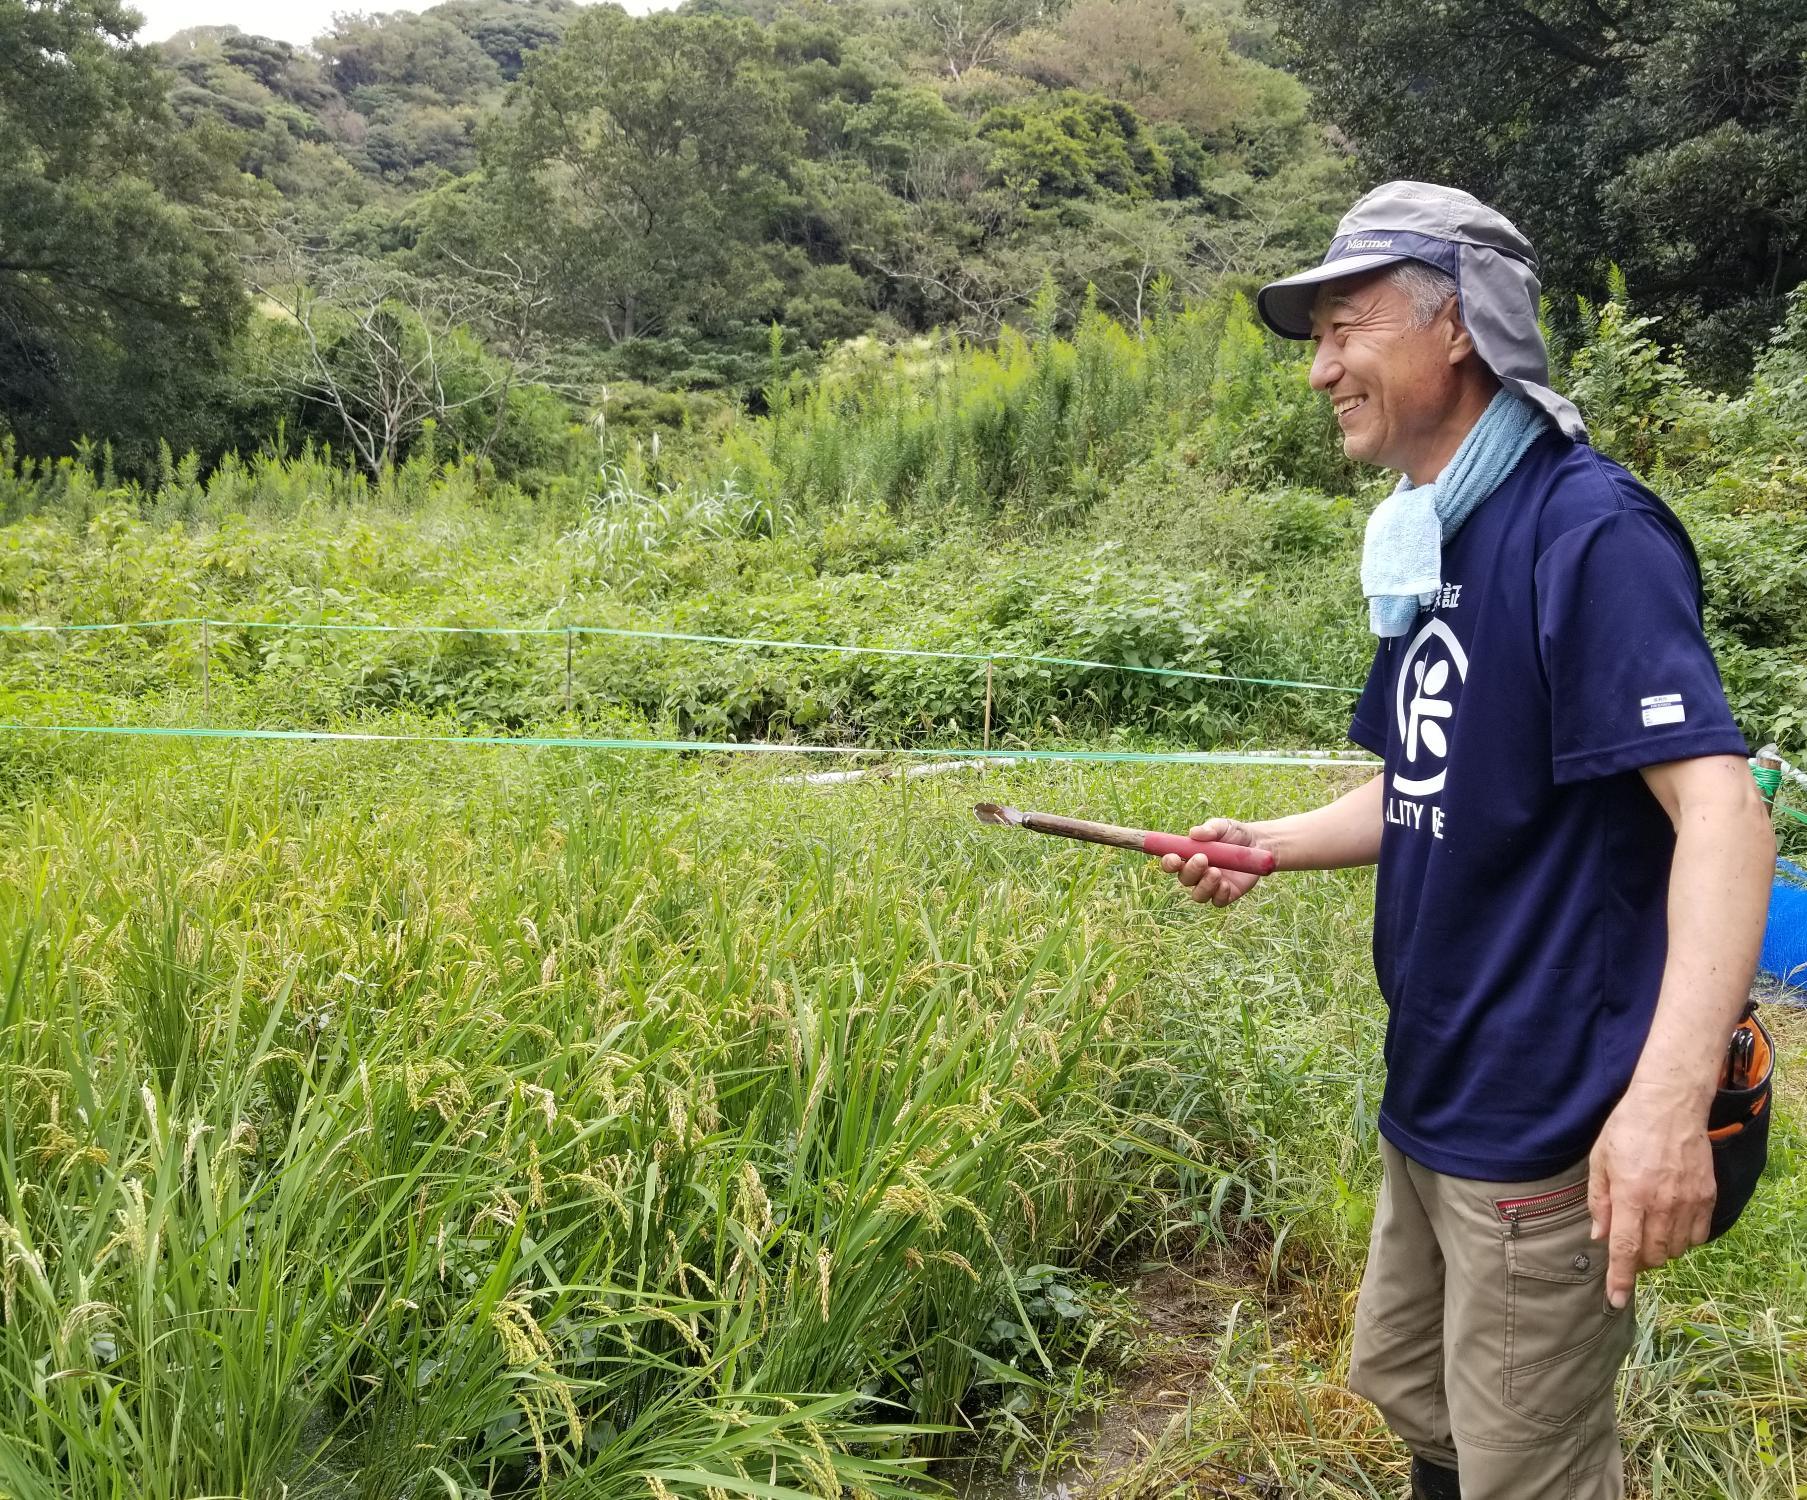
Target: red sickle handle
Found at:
1223, 856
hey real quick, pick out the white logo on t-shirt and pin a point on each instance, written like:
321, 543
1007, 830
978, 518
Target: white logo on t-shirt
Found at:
1664, 708
1424, 703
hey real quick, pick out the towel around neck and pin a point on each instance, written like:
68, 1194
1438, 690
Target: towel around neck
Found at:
1402, 553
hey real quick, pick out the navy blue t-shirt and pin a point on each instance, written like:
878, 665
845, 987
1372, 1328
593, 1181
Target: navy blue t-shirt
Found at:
1519, 925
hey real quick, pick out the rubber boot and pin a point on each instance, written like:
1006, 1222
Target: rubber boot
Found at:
1433, 1482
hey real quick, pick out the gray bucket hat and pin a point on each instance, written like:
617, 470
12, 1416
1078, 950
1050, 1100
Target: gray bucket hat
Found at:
1494, 267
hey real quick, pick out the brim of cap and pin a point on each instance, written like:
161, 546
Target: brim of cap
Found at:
1285, 305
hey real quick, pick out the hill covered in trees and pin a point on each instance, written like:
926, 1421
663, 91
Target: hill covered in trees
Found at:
499, 217
498, 200
375, 108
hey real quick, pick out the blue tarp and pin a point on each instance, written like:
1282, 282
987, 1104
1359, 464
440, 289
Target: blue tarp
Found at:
1785, 938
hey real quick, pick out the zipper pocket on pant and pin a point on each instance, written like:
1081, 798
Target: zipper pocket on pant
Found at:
1517, 1211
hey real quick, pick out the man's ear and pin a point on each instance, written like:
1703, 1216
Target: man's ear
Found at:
1459, 341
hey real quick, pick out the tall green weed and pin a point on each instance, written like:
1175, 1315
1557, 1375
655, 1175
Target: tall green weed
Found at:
935, 495
1038, 426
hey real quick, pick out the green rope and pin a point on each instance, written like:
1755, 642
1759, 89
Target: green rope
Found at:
579, 742
708, 640
1769, 782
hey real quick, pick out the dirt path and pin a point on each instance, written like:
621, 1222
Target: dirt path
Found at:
1227, 1361
1216, 1371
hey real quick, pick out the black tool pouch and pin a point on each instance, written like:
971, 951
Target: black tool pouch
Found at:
1738, 1126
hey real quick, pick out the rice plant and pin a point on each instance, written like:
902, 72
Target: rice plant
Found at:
464, 1122
368, 1137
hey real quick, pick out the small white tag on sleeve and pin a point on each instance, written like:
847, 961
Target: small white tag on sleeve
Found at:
1664, 708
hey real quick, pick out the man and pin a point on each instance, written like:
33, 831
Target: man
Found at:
1574, 862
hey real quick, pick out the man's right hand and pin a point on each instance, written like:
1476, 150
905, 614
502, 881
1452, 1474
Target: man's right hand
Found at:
1203, 879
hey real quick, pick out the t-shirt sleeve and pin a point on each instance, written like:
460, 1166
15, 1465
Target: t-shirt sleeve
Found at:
1368, 727
1632, 679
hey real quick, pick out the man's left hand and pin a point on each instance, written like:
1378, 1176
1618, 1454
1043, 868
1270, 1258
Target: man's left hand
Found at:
1650, 1184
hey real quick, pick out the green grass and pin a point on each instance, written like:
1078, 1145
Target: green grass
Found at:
1170, 496
1250, 608
390, 1123
543, 1121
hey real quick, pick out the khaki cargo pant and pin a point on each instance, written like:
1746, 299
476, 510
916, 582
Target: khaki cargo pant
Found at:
1483, 1334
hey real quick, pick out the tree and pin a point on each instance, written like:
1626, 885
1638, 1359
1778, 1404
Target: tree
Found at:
1076, 145
642, 159
1235, 229
426, 53
395, 98
380, 351
897, 126
1127, 249
1669, 136
950, 254
508, 30
118, 284
1143, 53
970, 34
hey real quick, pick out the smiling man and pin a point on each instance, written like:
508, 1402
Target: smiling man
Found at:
1574, 863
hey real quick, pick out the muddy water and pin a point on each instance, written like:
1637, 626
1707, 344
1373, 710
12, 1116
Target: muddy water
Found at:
975, 1482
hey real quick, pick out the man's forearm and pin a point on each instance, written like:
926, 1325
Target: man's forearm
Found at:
1718, 896
1333, 837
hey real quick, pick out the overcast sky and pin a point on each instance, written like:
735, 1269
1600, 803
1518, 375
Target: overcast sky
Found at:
289, 20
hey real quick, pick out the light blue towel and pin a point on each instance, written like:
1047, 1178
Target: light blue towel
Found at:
1402, 554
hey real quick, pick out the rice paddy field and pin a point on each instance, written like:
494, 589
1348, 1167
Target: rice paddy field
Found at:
400, 1122
500, 1122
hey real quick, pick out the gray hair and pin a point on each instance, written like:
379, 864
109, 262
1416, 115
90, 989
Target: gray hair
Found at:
1426, 289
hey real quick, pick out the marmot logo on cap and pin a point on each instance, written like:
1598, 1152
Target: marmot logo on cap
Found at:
1370, 244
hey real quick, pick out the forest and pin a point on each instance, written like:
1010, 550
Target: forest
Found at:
505, 218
